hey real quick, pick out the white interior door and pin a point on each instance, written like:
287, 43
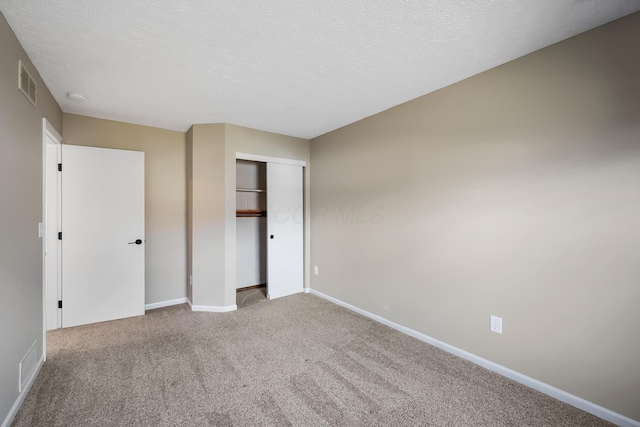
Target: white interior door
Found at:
285, 217
102, 234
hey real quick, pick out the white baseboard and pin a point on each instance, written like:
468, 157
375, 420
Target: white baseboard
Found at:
16, 406
165, 303
307, 290
212, 308
578, 402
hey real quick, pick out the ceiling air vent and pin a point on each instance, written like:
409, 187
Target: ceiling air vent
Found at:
26, 84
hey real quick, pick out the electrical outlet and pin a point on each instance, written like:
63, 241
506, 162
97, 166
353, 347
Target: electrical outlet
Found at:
40, 229
191, 280
315, 270
496, 324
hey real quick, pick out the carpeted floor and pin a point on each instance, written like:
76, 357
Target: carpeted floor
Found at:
294, 361
245, 298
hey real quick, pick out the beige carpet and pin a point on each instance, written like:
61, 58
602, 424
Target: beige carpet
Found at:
295, 361
251, 296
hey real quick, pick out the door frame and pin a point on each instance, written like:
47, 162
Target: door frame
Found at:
48, 133
267, 159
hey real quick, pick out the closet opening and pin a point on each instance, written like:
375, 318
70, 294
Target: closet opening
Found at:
251, 232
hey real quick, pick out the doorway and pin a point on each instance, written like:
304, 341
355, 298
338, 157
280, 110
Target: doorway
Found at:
251, 232
93, 227
51, 149
269, 228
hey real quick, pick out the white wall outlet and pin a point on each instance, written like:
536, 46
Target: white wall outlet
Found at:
315, 270
40, 229
496, 324
190, 280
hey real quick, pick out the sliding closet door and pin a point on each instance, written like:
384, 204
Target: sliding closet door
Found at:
285, 217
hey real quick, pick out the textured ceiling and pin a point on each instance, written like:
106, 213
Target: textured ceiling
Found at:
297, 67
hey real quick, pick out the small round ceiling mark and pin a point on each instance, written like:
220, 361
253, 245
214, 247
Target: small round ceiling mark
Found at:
76, 96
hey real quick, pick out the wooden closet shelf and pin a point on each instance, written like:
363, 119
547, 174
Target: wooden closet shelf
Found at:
250, 213
249, 190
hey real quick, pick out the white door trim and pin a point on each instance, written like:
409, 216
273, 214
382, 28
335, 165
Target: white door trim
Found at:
48, 133
267, 159
48, 127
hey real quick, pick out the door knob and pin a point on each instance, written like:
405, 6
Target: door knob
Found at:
271, 237
137, 242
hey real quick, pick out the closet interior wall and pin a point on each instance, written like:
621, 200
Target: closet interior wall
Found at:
251, 224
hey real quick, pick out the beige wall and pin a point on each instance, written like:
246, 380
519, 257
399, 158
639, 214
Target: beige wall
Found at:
165, 195
514, 193
189, 170
21, 322
212, 176
206, 146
